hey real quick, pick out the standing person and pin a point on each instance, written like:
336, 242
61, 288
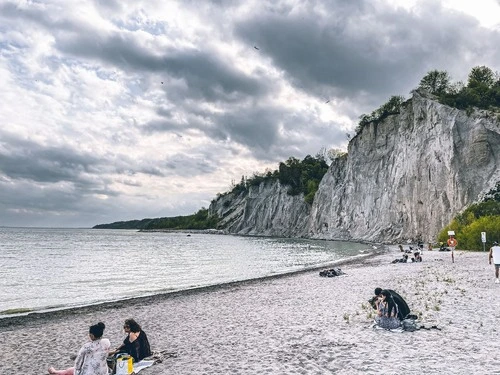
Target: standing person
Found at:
91, 359
387, 312
136, 343
495, 255
452, 243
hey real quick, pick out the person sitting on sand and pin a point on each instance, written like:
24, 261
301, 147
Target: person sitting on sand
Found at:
136, 343
387, 311
403, 309
91, 359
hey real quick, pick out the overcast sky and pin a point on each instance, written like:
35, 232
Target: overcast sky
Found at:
125, 109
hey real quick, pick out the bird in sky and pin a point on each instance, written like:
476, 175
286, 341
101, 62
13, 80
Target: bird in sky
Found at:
257, 48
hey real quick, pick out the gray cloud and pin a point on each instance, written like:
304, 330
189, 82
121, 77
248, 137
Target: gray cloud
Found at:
206, 75
179, 106
23, 159
361, 48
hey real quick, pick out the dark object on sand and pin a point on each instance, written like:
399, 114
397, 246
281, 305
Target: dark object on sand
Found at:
331, 272
443, 247
410, 324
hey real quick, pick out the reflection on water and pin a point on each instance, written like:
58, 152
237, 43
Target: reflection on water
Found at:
42, 268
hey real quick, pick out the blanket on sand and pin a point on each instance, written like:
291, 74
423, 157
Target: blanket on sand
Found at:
156, 357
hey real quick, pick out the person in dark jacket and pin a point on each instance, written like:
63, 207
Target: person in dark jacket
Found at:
136, 343
403, 309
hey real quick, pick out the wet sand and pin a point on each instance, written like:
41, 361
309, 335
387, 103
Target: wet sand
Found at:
296, 324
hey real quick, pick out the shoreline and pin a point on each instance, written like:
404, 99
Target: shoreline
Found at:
296, 324
49, 314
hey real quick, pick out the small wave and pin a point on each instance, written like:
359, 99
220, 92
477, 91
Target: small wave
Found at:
17, 311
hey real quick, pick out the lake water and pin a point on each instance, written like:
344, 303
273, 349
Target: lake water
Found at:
46, 269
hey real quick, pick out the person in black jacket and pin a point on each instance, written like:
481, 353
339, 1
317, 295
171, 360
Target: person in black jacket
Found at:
136, 343
403, 309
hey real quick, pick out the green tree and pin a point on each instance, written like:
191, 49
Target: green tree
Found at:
391, 107
481, 76
436, 82
470, 236
477, 218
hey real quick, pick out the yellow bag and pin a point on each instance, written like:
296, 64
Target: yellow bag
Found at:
124, 365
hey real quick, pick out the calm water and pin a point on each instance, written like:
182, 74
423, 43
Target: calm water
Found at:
44, 269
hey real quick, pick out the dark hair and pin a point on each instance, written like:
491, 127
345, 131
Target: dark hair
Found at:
377, 291
97, 330
133, 325
391, 305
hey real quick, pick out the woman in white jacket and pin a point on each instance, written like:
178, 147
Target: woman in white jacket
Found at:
91, 359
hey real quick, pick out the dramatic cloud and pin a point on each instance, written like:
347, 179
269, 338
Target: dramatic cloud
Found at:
119, 110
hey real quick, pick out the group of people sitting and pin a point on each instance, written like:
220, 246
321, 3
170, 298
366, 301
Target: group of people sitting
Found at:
96, 356
417, 255
391, 308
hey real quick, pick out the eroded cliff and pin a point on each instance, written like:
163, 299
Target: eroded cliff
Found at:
402, 178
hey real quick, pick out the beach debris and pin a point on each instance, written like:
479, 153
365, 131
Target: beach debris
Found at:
331, 272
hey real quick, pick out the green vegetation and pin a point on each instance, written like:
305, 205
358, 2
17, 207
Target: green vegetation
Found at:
300, 176
482, 91
199, 220
480, 217
303, 177
392, 107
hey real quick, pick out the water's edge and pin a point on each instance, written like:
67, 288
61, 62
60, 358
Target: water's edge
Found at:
40, 317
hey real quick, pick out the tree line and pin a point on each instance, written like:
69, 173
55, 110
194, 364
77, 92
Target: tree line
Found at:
300, 176
198, 220
482, 90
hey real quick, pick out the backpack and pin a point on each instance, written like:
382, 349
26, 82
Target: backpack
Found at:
409, 325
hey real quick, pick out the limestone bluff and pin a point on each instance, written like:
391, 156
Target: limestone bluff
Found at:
405, 177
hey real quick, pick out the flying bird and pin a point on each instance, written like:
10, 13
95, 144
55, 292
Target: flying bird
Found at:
328, 101
257, 48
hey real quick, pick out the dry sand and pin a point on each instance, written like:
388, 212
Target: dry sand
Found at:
298, 324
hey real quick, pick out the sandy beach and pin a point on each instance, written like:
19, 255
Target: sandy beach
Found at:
296, 324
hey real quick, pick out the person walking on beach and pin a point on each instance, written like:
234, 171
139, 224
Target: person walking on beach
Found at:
495, 255
91, 359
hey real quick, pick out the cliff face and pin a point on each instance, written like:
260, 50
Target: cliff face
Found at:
405, 177
266, 210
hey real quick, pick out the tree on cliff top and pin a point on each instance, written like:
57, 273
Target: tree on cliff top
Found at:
482, 89
436, 82
392, 107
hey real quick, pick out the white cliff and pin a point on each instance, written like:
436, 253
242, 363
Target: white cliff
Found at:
405, 177
266, 210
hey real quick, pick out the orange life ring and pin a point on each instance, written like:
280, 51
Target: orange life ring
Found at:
452, 242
